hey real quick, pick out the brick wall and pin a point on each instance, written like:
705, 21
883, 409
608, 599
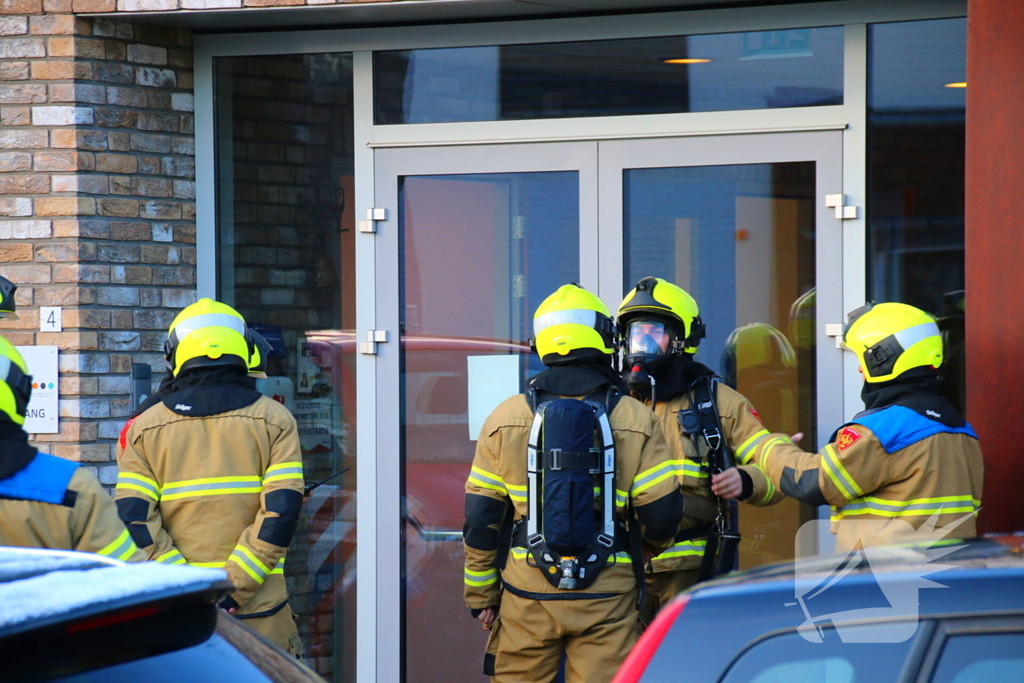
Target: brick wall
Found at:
97, 211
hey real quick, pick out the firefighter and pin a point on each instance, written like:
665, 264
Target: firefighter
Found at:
45, 501
907, 457
212, 474
8, 309
531, 620
661, 328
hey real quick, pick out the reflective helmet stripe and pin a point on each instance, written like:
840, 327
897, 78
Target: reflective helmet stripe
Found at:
5, 368
187, 327
579, 316
917, 333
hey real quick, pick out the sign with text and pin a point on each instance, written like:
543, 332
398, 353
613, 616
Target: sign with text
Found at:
42, 407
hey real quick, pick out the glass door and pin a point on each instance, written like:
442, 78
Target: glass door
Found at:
482, 236
741, 223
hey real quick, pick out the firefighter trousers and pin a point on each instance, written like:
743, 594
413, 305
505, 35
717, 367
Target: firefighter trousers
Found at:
529, 636
662, 587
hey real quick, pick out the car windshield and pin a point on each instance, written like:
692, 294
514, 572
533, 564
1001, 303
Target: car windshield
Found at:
214, 660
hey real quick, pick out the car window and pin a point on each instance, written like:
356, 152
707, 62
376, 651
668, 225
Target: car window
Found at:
789, 658
212, 661
981, 658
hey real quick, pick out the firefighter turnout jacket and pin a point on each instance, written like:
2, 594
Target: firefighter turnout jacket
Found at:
893, 466
54, 503
498, 478
745, 435
216, 482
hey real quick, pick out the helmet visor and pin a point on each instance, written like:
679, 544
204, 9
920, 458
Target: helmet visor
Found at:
647, 338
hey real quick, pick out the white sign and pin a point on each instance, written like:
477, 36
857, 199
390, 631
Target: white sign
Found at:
50, 319
492, 379
42, 407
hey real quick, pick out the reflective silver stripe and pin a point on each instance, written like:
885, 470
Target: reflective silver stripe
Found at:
187, 327
5, 367
169, 490
915, 334
578, 316
255, 571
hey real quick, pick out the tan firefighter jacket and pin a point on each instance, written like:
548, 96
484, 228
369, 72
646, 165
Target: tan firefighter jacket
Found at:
885, 475
499, 472
85, 519
217, 491
745, 435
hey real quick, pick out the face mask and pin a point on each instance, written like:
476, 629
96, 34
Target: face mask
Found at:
647, 338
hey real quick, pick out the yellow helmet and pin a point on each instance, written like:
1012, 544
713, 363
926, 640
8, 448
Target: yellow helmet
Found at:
15, 384
207, 333
756, 346
658, 298
7, 306
570, 324
891, 338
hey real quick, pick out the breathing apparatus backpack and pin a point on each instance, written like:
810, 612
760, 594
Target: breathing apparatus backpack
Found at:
571, 528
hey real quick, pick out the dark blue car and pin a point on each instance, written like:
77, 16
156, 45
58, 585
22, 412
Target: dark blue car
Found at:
889, 614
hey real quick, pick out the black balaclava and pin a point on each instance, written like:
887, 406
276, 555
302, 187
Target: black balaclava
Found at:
917, 389
15, 451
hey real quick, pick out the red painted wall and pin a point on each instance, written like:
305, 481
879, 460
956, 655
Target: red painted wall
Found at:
995, 253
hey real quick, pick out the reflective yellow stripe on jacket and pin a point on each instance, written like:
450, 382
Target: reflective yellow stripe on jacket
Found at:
171, 557
279, 569
481, 578
746, 449
924, 507
250, 564
838, 474
212, 486
493, 482
283, 470
137, 482
121, 548
685, 549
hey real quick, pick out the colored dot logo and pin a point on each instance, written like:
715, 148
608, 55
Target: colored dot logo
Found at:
42, 385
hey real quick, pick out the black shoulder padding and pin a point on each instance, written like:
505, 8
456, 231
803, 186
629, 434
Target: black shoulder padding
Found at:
279, 530
661, 517
133, 512
484, 516
806, 490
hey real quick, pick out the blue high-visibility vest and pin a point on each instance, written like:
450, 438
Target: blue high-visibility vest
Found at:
44, 479
897, 427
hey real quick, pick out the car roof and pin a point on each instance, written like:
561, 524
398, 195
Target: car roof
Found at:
983, 577
41, 587
1005, 551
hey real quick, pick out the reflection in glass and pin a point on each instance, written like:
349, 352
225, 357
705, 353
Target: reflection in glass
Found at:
916, 148
741, 240
478, 255
286, 262
754, 70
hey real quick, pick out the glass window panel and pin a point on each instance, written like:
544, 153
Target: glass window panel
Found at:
916, 147
790, 657
479, 253
982, 657
754, 70
741, 240
286, 261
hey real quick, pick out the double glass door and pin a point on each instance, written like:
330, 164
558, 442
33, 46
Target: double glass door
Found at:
482, 234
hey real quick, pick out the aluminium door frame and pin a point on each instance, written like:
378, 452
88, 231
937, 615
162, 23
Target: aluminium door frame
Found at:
389, 166
825, 148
